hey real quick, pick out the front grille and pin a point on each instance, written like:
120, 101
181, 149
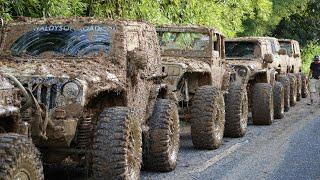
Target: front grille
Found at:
44, 93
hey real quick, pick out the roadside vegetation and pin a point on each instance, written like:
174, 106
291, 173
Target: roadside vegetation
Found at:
296, 19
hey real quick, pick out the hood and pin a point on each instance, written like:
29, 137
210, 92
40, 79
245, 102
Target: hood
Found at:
97, 74
253, 64
188, 64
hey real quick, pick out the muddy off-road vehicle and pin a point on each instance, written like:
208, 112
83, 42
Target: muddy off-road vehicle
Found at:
92, 96
193, 59
282, 64
295, 65
252, 59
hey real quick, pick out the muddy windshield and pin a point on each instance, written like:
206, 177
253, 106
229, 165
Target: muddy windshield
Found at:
241, 49
287, 46
184, 42
61, 40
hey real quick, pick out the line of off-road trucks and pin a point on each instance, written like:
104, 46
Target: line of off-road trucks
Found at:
107, 95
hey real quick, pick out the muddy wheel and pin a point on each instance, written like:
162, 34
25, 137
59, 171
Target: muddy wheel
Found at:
19, 158
207, 118
278, 100
236, 111
284, 80
262, 104
299, 83
293, 89
162, 147
117, 145
304, 86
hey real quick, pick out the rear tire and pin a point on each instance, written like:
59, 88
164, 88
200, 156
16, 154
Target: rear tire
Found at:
117, 145
284, 80
278, 100
19, 158
236, 111
299, 83
207, 118
293, 89
162, 146
304, 86
262, 104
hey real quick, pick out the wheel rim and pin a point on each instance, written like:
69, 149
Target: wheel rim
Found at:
22, 175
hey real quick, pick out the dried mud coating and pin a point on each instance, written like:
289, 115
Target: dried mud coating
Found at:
161, 148
284, 80
117, 145
304, 86
236, 111
19, 159
278, 100
299, 83
262, 100
207, 118
293, 89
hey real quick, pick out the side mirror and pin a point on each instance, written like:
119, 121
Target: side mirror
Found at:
296, 55
138, 58
268, 58
282, 51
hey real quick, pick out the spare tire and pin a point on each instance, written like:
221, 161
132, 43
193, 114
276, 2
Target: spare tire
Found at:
207, 118
236, 111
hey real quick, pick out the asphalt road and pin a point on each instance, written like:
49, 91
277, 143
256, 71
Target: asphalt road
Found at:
288, 149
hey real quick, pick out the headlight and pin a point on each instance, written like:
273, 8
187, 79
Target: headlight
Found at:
70, 90
242, 72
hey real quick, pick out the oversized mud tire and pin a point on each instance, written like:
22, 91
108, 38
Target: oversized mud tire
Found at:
161, 145
278, 100
293, 89
285, 81
299, 83
19, 158
236, 111
304, 86
117, 145
207, 118
262, 104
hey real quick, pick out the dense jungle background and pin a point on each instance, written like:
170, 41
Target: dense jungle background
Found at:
297, 19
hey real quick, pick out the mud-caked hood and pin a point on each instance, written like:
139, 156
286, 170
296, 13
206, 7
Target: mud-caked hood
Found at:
96, 74
253, 64
192, 65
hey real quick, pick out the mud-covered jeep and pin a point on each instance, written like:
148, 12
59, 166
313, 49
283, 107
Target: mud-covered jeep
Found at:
193, 59
92, 96
295, 65
252, 58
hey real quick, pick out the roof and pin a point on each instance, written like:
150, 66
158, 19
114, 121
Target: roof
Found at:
251, 39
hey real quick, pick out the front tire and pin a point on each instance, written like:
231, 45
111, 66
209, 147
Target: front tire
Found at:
236, 111
299, 84
161, 146
293, 89
262, 104
284, 80
117, 145
278, 100
19, 158
304, 86
207, 118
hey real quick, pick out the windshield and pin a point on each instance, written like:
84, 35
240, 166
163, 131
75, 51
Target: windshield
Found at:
62, 40
184, 42
241, 49
287, 46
